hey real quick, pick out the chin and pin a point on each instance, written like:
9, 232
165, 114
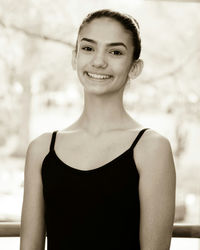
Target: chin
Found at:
96, 91
102, 91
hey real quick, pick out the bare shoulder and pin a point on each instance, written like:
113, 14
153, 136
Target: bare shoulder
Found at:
157, 188
32, 219
153, 140
153, 151
38, 149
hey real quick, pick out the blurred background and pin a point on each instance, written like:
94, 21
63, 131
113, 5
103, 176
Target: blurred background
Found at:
39, 91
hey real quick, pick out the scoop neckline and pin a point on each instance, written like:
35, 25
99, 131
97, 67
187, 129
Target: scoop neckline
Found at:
65, 165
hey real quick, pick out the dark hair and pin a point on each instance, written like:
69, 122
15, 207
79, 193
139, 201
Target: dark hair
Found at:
127, 21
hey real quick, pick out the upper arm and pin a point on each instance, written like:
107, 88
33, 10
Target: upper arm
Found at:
32, 220
157, 192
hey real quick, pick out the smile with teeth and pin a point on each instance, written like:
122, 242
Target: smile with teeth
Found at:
97, 76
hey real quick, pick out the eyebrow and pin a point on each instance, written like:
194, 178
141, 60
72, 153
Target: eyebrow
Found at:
109, 44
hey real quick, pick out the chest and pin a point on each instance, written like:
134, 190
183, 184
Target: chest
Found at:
86, 153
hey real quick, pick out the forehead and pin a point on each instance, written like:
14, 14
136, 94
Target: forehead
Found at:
106, 29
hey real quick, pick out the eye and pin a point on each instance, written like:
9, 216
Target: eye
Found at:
116, 52
87, 48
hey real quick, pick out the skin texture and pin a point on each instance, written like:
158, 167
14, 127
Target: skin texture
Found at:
96, 55
105, 124
32, 221
157, 191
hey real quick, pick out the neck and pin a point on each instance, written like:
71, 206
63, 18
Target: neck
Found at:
103, 113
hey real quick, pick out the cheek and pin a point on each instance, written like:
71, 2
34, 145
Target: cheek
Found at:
123, 69
80, 65
82, 61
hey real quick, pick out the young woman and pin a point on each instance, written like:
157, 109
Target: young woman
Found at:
105, 182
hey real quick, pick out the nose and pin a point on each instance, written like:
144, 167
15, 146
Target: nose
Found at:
99, 60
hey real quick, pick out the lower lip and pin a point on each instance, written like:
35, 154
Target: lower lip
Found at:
98, 79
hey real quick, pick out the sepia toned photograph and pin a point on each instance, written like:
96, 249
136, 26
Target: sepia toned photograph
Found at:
100, 125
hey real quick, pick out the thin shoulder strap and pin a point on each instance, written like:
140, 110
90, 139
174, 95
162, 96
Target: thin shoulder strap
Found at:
138, 137
53, 139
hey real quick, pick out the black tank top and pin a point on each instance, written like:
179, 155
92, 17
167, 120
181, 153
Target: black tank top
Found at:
96, 209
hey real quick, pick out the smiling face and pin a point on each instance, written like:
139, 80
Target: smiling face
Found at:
104, 56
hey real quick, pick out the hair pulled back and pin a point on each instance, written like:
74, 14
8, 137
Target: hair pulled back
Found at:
127, 21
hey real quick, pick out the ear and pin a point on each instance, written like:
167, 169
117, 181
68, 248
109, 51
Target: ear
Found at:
73, 60
136, 69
